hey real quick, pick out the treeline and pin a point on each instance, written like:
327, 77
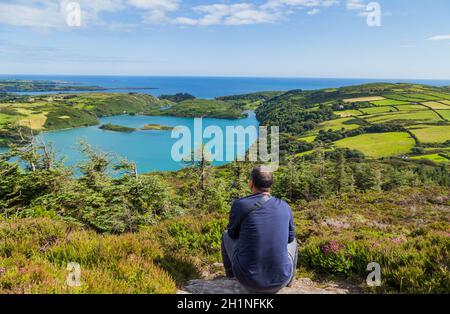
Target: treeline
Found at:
290, 112
179, 97
110, 196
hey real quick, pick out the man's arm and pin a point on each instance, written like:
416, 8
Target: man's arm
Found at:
291, 227
234, 223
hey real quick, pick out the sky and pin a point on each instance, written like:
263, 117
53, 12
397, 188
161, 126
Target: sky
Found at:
394, 39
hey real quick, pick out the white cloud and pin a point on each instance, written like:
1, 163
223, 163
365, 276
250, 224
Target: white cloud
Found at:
314, 12
248, 13
52, 13
156, 10
356, 5
440, 37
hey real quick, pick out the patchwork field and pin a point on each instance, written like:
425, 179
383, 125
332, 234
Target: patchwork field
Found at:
383, 109
338, 124
436, 105
379, 144
407, 117
445, 114
362, 99
411, 107
348, 113
431, 133
389, 102
433, 157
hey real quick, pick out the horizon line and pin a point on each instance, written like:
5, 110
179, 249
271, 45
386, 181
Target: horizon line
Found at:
232, 76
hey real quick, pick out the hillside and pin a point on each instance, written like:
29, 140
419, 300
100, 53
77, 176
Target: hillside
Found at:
379, 120
62, 111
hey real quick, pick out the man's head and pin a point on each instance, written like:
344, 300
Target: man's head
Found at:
261, 180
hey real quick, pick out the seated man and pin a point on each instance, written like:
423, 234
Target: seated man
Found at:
259, 248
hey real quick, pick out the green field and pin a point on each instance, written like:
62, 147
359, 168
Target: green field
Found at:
408, 117
411, 108
424, 96
389, 102
382, 109
338, 124
433, 157
436, 105
431, 133
379, 144
308, 139
445, 114
348, 113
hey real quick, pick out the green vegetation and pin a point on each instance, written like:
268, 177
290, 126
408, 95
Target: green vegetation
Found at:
436, 105
408, 117
431, 133
116, 128
379, 145
62, 111
14, 86
150, 233
201, 108
156, 127
389, 102
337, 115
444, 113
383, 109
177, 97
433, 157
411, 107
23, 86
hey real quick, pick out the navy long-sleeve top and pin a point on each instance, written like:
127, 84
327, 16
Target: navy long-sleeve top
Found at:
261, 260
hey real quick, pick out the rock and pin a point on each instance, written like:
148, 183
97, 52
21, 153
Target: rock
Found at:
232, 286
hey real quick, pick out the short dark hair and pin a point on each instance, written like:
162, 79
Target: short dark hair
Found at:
262, 178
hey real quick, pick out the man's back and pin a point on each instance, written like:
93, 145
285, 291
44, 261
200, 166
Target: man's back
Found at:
261, 260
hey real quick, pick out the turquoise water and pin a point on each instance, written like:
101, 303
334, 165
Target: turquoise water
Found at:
151, 150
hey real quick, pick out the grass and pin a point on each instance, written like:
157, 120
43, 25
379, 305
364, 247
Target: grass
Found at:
445, 114
424, 96
403, 97
347, 113
308, 139
436, 105
408, 117
389, 102
35, 254
405, 231
431, 133
432, 157
382, 109
439, 95
411, 108
338, 124
364, 99
379, 145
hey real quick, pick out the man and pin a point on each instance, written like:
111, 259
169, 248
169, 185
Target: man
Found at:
259, 247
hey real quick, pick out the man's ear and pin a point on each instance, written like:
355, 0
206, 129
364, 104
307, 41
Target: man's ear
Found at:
250, 184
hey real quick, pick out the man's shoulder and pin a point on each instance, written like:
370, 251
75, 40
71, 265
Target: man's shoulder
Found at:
250, 200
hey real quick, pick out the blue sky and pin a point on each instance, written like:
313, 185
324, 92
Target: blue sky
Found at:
286, 38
